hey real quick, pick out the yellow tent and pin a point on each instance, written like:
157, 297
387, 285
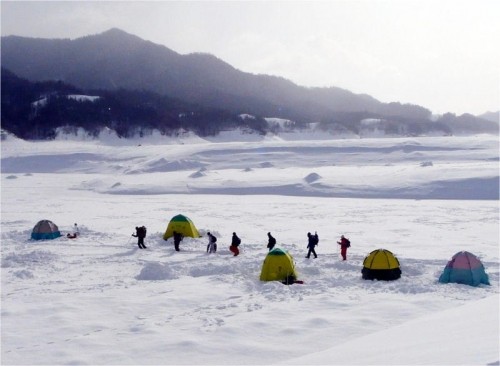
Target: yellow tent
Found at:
182, 225
381, 264
277, 266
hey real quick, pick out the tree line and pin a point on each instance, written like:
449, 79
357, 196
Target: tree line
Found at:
35, 110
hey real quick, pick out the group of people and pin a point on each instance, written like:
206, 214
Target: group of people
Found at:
313, 241
212, 244
140, 234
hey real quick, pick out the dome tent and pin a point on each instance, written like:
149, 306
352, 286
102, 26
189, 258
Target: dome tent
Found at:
45, 229
278, 266
464, 268
182, 225
381, 264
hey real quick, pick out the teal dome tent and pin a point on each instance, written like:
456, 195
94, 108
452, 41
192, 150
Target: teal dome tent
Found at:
464, 268
45, 229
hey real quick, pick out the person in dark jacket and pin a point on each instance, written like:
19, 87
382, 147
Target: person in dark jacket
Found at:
212, 243
344, 244
235, 242
177, 240
271, 242
140, 234
313, 240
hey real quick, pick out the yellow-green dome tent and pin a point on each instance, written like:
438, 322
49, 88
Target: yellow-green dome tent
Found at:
277, 266
381, 264
182, 225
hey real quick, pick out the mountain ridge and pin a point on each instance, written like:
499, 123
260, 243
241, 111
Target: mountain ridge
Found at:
143, 85
115, 59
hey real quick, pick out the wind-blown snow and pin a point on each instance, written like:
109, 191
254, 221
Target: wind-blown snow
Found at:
99, 299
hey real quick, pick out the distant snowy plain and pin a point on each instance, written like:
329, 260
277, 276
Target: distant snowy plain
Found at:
100, 300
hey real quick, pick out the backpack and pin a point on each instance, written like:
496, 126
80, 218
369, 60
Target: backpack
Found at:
214, 239
316, 239
348, 243
238, 241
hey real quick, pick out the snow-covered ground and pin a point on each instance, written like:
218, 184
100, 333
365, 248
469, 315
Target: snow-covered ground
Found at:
100, 300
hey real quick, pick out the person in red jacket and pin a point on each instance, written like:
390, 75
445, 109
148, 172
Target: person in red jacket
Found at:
235, 242
344, 244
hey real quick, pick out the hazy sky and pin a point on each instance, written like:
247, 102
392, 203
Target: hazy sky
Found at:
441, 54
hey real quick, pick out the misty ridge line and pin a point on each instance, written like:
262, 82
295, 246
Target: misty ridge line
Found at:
143, 85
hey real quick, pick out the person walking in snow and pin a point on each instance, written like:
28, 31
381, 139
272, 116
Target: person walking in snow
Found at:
235, 242
177, 240
271, 242
344, 244
313, 240
212, 243
140, 234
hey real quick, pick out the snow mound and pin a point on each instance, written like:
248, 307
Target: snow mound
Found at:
313, 177
426, 163
156, 272
200, 173
266, 164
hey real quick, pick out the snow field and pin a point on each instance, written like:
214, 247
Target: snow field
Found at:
100, 300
